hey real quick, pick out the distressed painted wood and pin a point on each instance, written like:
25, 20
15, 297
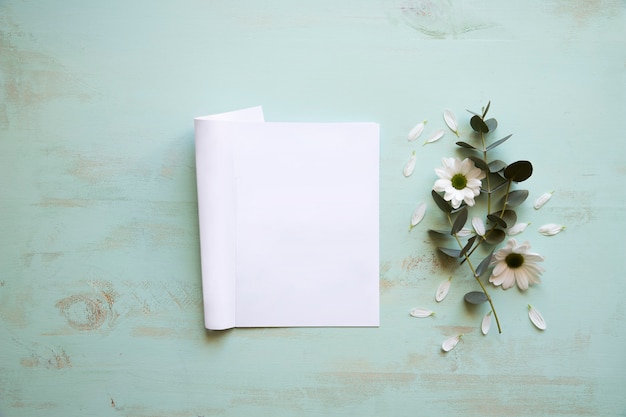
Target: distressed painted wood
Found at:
100, 303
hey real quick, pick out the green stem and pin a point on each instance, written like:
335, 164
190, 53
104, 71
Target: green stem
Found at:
477, 278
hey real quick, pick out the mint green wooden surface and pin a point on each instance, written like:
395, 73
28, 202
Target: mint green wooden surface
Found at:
100, 302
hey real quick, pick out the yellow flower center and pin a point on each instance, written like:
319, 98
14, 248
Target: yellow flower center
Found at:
459, 181
514, 260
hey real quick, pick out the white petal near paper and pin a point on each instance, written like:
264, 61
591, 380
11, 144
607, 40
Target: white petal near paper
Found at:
450, 120
418, 214
416, 131
435, 136
536, 318
410, 165
300, 224
420, 312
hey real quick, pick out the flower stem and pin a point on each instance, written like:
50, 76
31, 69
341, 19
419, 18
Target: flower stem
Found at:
469, 263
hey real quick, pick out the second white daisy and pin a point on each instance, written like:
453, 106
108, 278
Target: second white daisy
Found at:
515, 264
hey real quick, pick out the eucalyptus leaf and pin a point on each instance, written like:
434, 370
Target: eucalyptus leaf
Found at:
515, 198
497, 165
486, 109
509, 216
518, 171
478, 124
475, 297
440, 233
480, 163
468, 245
499, 185
498, 142
466, 145
491, 124
483, 265
441, 202
459, 222
495, 236
453, 253
497, 220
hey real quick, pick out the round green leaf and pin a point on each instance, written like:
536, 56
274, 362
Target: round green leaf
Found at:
480, 163
509, 216
515, 198
491, 124
441, 203
497, 165
484, 265
495, 236
518, 171
478, 124
475, 297
497, 220
466, 145
453, 253
459, 222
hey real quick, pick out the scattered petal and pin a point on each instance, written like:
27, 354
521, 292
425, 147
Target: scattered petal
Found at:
442, 290
486, 324
551, 229
418, 215
450, 120
536, 318
478, 225
437, 134
416, 131
410, 166
421, 312
450, 343
517, 228
543, 199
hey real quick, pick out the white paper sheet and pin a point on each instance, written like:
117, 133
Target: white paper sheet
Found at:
288, 221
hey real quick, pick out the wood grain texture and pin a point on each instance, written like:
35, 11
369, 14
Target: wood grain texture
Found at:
100, 292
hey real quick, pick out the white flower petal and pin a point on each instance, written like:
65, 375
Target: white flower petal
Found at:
450, 120
442, 290
420, 312
516, 229
478, 225
536, 318
551, 229
437, 134
450, 343
416, 131
410, 165
486, 323
543, 199
418, 215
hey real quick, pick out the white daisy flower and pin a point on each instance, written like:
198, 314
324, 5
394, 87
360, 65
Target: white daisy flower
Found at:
515, 264
459, 180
